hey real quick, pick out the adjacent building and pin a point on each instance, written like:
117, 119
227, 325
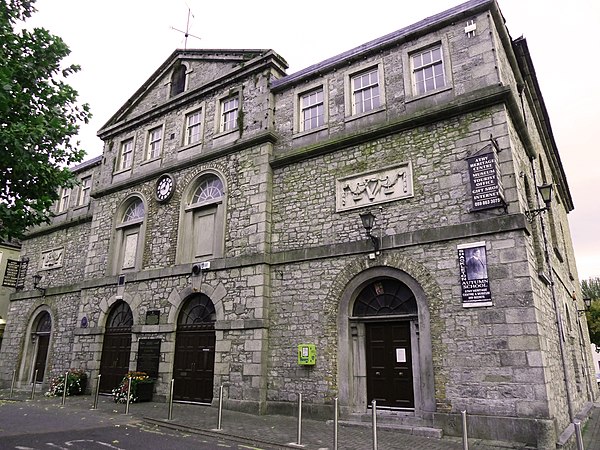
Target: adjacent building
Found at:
368, 229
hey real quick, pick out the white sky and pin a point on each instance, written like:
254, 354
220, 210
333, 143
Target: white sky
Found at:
119, 44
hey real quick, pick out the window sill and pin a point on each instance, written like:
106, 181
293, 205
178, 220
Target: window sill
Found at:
365, 114
148, 161
427, 94
225, 133
300, 134
190, 146
118, 172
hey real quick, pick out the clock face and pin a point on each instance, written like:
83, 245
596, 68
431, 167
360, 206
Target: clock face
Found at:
165, 186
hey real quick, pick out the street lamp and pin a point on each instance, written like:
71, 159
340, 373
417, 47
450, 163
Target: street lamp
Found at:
545, 191
37, 278
587, 303
368, 220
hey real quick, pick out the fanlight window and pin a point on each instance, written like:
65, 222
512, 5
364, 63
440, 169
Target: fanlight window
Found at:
199, 311
134, 212
44, 324
120, 317
211, 188
385, 297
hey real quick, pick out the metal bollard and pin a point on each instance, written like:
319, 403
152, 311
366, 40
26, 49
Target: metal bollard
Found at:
12, 384
33, 384
299, 420
64, 396
220, 408
171, 399
578, 435
464, 427
96, 394
128, 396
374, 405
335, 423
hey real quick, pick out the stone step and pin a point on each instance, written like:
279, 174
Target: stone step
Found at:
414, 429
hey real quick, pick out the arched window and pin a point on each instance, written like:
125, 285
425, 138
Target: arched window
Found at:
385, 297
202, 224
198, 311
129, 236
120, 317
178, 79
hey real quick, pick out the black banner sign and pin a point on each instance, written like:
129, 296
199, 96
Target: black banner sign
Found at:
475, 284
14, 275
148, 357
486, 188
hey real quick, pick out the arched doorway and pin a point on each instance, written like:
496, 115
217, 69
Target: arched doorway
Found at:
116, 350
193, 368
41, 338
386, 308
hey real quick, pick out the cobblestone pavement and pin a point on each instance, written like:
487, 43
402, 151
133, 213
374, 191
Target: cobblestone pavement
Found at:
281, 432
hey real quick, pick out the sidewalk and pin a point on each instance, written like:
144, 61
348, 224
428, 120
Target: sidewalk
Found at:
281, 432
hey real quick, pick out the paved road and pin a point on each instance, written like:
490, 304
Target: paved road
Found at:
31, 426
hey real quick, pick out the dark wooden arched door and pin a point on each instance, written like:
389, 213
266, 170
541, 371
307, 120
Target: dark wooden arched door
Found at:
388, 341
116, 350
193, 368
42, 338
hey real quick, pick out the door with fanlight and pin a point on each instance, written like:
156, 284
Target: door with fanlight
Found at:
41, 337
193, 368
386, 308
116, 349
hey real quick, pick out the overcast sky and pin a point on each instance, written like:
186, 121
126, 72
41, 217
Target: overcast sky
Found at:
119, 44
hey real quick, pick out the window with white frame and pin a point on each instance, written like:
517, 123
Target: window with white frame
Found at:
125, 155
311, 110
428, 70
365, 91
129, 235
63, 202
202, 230
229, 113
154, 143
193, 123
84, 191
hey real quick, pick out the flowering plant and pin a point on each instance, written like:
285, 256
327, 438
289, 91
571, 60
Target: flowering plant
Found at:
120, 392
76, 382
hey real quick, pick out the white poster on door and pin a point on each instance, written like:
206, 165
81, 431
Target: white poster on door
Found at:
400, 355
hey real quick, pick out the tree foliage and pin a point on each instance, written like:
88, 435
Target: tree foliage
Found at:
39, 117
591, 289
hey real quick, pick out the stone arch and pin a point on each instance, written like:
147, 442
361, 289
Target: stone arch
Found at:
349, 282
30, 344
216, 295
106, 306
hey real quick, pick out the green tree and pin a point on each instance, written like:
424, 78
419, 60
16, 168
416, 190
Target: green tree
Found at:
591, 289
39, 117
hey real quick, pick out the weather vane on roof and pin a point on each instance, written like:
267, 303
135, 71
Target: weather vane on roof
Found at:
186, 33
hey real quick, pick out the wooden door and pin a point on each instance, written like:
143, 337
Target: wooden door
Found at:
43, 342
193, 369
114, 364
389, 364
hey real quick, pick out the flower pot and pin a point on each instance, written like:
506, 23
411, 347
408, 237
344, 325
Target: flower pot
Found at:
144, 392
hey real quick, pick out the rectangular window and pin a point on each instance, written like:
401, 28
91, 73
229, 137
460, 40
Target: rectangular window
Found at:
154, 142
365, 91
192, 125
130, 242
428, 70
63, 203
126, 155
84, 191
311, 106
229, 114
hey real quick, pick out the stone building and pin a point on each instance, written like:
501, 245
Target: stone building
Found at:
219, 240
9, 254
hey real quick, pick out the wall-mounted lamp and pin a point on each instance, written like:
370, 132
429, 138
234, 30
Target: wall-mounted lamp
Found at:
37, 278
368, 219
545, 191
587, 303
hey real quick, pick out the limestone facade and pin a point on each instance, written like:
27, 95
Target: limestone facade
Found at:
262, 231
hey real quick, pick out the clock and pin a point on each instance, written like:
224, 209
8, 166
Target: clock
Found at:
165, 187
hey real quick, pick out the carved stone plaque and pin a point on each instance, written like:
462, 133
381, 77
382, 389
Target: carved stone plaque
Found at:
52, 259
371, 188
